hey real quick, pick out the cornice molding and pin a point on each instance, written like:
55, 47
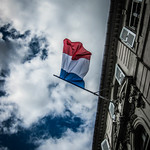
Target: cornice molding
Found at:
108, 67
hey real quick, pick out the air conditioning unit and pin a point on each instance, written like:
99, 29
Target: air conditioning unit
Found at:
119, 75
105, 145
127, 36
112, 110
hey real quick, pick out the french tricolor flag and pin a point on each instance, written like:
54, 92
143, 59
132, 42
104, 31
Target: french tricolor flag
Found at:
75, 63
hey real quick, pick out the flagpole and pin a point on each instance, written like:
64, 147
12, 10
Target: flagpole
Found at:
94, 93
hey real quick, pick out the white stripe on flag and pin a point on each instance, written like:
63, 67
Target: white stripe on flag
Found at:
80, 67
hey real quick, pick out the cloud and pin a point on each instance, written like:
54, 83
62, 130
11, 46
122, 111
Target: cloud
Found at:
27, 80
30, 55
47, 128
83, 21
3, 148
33, 89
8, 118
70, 140
11, 45
31, 93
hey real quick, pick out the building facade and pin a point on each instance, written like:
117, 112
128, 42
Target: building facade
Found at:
124, 123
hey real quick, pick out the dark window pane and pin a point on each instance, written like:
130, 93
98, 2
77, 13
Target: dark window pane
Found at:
141, 138
135, 14
130, 38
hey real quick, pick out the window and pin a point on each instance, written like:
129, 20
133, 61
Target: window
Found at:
105, 145
127, 36
112, 110
135, 14
141, 139
119, 75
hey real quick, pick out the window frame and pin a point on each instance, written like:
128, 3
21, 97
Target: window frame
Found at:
135, 13
125, 39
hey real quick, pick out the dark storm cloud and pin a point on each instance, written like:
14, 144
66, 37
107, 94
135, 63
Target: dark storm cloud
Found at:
3, 75
2, 93
37, 46
8, 31
9, 46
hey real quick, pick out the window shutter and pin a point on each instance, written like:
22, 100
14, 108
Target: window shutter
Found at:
105, 145
127, 36
119, 74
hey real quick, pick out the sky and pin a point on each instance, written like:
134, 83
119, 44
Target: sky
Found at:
37, 110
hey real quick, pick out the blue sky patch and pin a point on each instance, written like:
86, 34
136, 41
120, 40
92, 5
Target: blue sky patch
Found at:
45, 128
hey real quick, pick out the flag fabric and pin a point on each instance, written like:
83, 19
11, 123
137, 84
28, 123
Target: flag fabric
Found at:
75, 62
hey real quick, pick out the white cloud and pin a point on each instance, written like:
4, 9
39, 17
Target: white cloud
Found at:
7, 109
28, 84
83, 21
71, 140
4, 148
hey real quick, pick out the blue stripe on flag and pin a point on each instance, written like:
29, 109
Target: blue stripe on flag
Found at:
72, 77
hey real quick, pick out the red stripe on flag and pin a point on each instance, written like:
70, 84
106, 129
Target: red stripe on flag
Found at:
76, 50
